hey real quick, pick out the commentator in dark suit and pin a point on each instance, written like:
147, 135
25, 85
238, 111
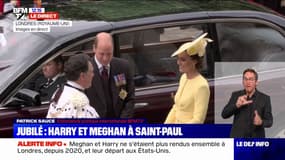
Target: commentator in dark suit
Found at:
251, 109
112, 90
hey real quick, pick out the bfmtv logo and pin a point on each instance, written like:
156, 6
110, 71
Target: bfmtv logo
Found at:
22, 13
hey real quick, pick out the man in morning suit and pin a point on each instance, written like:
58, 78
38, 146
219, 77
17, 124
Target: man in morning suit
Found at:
251, 109
112, 90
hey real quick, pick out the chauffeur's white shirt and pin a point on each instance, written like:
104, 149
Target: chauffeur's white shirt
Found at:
72, 104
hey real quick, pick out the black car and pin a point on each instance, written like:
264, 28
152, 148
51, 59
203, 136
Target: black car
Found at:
147, 43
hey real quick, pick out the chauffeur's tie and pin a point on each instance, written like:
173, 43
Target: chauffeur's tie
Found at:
48, 83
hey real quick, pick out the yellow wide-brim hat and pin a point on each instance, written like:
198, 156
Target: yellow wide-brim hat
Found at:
198, 46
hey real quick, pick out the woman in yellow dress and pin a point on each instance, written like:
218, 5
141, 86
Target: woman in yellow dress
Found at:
192, 97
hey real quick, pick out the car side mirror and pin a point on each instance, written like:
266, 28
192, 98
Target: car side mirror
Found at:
25, 97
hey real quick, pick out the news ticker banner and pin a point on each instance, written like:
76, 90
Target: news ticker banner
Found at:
112, 128
119, 148
132, 138
37, 20
143, 148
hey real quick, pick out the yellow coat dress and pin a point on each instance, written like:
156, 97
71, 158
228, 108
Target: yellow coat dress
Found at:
191, 101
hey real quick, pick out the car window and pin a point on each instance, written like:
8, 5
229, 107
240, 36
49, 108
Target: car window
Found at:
250, 42
149, 51
16, 52
85, 47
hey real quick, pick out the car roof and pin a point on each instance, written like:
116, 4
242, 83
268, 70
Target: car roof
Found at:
201, 16
126, 10
80, 28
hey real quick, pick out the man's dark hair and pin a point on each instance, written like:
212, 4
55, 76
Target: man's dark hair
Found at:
75, 65
58, 60
252, 71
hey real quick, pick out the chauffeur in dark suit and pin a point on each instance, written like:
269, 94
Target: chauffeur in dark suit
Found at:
49, 80
112, 90
251, 109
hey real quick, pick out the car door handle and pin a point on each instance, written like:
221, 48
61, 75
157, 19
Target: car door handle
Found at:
141, 105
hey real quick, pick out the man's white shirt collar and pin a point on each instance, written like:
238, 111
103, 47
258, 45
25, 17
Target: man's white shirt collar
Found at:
58, 75
100, 66
55, 78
